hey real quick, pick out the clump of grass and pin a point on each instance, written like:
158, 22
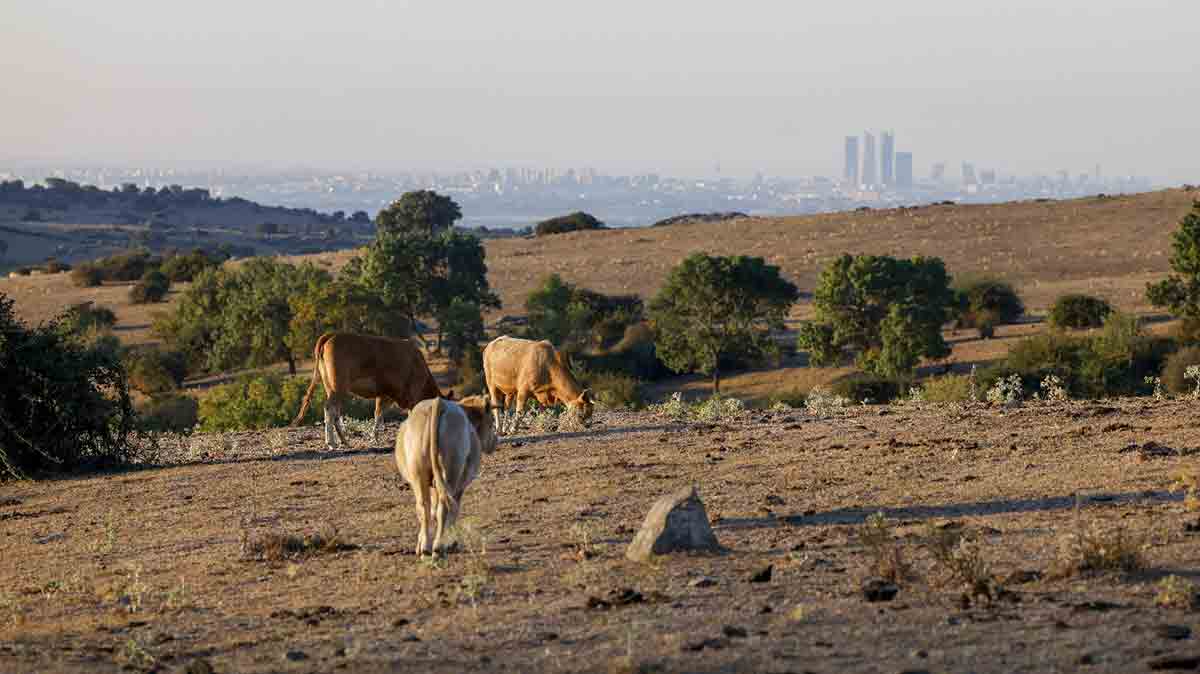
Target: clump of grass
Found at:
583, 535
477, 575
544, 420
279, 546
1159, 393
960, 561
1189, 484
1053, 389
887, 556
1006, 392
821, 403
950, 388
674, 408
134, 654
1176, 592
1095, 549
719, 408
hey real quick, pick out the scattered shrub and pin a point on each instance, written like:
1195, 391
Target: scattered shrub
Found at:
277, 546
567, 223
153, 370
614, 389
1098, 550
950, 388
86, 318
861, 386
64, 403
53, 266
266, 401
821, 403
888, 562
182, 268
792, 398
172, 413
1176, 592
719, 408
1078, 311
86, 276
23, 271
153, 287
1174, 372
960, 560
986, 303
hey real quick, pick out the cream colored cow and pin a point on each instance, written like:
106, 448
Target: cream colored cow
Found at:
438, 452
519, 369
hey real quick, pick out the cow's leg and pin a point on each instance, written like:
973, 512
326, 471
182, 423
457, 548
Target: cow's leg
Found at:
421, 494
439, 513
337, 422
329, 411
498, 399
378, 414
522, 401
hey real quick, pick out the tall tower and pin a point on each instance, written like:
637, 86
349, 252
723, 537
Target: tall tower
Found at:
852, 161
889, 159
904, 170
869, 165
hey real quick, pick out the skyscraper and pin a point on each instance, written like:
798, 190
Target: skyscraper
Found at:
852, 161
869, 165
904, 170
889, 150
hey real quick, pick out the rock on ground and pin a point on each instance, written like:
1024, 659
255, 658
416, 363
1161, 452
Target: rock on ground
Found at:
677, 521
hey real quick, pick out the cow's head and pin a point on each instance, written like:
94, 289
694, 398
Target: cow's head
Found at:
583, 405
479, 412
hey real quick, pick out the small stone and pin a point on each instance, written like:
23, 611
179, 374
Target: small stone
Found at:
1174, 662
703, 581
1086, 659
879, 590
296, 656
1021, 577
199, 666
734, 632
399, 622
1175, 632
677, 521
763, 575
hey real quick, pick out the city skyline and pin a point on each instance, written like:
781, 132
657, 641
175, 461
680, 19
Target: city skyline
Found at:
632, 88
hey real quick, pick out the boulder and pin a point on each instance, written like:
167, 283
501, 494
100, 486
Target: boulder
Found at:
678, 521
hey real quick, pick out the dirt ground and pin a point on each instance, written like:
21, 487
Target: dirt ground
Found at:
147, 570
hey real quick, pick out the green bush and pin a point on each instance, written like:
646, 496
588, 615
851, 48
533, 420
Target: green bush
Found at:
152, 288
85, 319
183, 267
986, 303
792, 397
153, 370
129, 266
53, 266
172, 413
635, 355
1078, 311
860, 386
615, 390
86, 276
567, 223
1115, 361
63, 405
267, 401
950, 388
1176, 367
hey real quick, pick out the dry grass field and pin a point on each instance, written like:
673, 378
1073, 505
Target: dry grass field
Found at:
264, 552
162, 568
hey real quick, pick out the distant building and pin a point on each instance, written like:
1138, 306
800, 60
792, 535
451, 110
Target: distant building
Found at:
987, 177
852, 161
938, 173
968, 174
904, 170
869, 165
887, 174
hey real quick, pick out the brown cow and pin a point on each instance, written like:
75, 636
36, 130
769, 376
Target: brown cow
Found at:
438, 451
382, 368
517, 369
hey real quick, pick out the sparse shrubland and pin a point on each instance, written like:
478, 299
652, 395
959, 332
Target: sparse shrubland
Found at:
152, 287
267, 401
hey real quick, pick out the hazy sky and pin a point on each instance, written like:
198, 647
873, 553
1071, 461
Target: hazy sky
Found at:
621, 85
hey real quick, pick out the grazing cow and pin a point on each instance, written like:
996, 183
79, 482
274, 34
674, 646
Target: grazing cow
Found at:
438, 452
517, 369
382, 368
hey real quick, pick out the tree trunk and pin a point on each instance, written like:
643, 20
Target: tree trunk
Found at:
291, 363
716, 381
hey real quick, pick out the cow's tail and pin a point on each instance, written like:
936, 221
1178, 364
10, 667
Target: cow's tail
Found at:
435, 459
312, 385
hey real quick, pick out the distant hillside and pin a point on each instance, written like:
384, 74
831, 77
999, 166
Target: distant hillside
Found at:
75, 222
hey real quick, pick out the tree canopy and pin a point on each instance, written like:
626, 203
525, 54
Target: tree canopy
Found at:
420, 211
1179, 293
888, 312
711, 308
